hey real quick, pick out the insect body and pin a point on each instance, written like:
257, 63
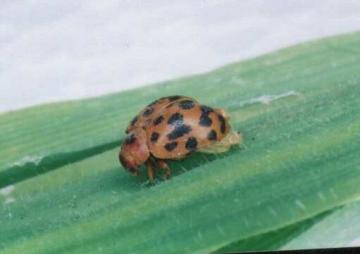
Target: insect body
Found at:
172, 128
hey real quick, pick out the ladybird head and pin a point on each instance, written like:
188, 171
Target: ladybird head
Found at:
134, 151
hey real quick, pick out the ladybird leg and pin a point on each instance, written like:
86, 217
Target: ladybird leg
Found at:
150, 171
163, 165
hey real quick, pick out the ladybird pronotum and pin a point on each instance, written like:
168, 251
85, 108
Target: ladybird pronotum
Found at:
171, 128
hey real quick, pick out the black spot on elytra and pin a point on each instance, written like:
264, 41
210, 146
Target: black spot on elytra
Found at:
191, 144
158, 120
154, 137
176, 119
206, 110
174, 97
130, 139
205, 120
170, 146
134, 121
179, 131
148, 111
212, 135
186, 104
222, 123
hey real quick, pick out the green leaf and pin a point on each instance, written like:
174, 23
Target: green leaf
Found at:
331, 229
298, 110
342, 228
274, 240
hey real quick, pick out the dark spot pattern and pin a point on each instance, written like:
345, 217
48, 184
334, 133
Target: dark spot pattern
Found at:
134, 121
205, 120
170, 146
148, 111
179, 131
130, 139
158, 120
191, 144
222, 123
206, 110
212, 135
176, 119
174, 97
154, 137
186, 104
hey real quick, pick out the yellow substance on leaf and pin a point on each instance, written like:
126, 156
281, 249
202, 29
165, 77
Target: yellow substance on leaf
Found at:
232, 138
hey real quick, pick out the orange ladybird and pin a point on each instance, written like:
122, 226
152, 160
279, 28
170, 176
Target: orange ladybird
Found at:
172, 128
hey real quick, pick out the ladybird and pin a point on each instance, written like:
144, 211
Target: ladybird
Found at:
171, 128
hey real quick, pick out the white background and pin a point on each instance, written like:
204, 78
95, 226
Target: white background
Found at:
58, 49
